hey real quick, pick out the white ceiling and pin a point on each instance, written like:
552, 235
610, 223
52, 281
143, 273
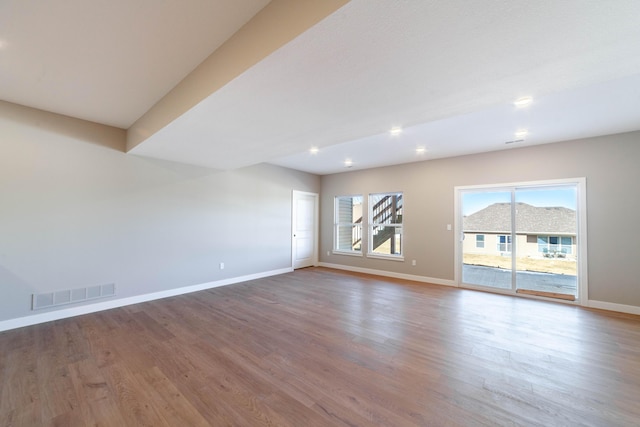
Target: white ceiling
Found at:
446, 72
601, 109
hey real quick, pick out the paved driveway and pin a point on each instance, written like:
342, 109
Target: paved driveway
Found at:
501, 278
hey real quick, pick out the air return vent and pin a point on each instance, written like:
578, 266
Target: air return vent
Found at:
70, 296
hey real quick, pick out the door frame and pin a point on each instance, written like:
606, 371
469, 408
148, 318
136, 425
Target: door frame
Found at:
316, 225
581, 238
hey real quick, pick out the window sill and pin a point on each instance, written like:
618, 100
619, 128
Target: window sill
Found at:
359, 254
387, 257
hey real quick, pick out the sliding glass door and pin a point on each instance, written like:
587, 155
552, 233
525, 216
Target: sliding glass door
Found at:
521, 239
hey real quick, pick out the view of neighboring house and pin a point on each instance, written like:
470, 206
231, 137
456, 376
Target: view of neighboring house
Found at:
540, 231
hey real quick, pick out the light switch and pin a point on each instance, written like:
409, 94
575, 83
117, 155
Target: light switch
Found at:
448, 227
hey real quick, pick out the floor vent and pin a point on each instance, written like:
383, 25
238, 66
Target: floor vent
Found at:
70, 296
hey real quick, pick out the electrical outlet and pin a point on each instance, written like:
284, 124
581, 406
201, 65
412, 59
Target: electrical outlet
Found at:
413, 262
328, 253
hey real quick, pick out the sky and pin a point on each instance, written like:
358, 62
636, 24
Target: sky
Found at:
475, 201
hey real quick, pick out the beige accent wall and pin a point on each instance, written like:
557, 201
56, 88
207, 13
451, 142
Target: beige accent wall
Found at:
76, 211
609, 163
277, 24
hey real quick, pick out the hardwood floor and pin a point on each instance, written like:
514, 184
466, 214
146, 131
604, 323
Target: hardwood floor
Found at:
319, 347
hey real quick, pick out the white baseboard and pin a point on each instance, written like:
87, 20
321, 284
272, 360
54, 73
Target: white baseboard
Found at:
622, 308
6, 325
413, 277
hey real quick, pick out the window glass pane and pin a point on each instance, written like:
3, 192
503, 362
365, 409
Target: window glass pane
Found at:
543, 245
349, 209
386, 208
348, 238
387, 240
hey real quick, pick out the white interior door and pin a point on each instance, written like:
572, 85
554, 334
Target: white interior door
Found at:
304, 229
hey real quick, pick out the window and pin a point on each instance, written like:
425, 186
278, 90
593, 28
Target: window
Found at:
552, 246
504, 243
348, 224
479, 240
385, 224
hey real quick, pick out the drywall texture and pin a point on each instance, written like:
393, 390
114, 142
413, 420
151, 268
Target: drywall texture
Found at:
609, 164
77, 211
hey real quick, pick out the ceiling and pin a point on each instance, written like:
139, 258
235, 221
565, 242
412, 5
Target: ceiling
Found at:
445, 72
108, 61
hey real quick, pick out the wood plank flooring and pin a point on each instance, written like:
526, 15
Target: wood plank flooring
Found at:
319, 347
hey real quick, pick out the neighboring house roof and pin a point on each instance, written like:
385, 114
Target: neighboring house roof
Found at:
530, 219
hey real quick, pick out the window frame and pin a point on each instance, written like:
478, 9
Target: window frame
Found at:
353, 225
480, 242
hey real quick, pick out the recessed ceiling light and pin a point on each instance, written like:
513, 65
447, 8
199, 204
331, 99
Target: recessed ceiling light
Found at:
314, 150
348, 163
421, 150
523, 102
520, 134
395, 131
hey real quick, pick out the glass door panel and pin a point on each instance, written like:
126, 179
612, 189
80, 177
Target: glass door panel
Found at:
487, 244
546, 232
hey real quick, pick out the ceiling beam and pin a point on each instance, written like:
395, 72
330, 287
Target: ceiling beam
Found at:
275, 25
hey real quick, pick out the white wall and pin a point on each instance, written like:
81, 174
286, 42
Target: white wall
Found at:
76, 211
610, 164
